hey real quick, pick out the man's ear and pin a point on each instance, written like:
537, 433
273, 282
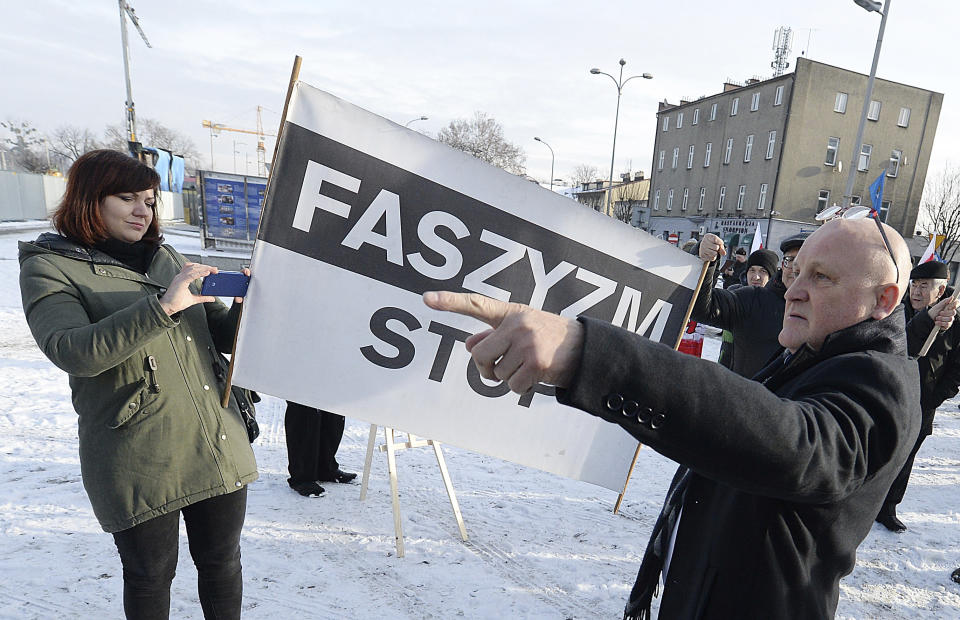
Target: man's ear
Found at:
888, 298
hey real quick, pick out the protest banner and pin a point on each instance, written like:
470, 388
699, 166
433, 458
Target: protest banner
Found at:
362, 216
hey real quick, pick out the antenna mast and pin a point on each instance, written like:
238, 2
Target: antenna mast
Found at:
782, 45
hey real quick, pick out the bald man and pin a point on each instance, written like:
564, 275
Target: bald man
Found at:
781, 477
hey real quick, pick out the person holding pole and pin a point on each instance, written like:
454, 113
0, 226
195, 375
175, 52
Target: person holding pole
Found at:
779, 478
928, 307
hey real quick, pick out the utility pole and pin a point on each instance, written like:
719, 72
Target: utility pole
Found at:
131, 117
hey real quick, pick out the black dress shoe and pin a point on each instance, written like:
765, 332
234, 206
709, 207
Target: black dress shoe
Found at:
308, 489
955, 575
889, 520
341, 476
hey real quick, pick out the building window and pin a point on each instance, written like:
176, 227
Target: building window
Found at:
696, 116
854, 200
748, 149
823, 200
863, 163
676, 156
778, 98
884, 210
679, 120
660, 161
690, 158
734, 106
723, 195
755, 102
713, 112
833, 145
743, 192
706, 155
686, 194
873, 113
893, 168
840, 104
703, 194
771, 144
728, 151
763, 197
666, 123
670, 200
656, 200
904, 119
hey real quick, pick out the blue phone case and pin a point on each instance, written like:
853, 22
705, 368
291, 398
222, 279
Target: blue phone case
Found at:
225, 284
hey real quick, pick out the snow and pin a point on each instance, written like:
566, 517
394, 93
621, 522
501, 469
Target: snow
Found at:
539, 546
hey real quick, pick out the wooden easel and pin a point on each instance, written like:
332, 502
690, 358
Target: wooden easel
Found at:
391, 447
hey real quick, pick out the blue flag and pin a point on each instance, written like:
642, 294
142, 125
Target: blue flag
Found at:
876, 194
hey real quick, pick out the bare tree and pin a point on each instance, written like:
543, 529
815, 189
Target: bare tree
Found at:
584, 173
26, 146
482, 137
70, 142
941, 207
156, 134
626, 196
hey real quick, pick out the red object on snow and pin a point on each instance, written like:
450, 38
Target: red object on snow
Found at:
692, 341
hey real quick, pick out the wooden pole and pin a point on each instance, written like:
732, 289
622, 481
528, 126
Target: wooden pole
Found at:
294, 76
676, 345
935, 331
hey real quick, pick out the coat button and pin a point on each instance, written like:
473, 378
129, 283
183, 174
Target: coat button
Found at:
162, 291
206, 387
644, 414
224, 437
132, 405
101, 271
614, 402
658, 420
630, 408
238, 484
189, 339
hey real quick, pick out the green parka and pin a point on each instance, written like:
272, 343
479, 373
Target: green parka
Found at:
153, 436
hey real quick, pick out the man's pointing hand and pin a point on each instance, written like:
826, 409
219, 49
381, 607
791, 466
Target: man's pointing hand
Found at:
524, 346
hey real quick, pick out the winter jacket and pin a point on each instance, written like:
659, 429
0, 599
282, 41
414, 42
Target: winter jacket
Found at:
153, 436
939, 368
753, 315
786, 472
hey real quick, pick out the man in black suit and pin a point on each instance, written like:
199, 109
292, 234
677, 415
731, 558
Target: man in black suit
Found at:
780, 478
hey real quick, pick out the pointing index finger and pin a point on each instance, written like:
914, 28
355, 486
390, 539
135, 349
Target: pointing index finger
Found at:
490, 311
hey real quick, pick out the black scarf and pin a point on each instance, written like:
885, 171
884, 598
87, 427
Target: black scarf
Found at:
136, 256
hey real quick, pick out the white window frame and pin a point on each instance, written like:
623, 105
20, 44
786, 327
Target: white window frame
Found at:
696, 116
679, 120
740, 196
763, 197
755, 102
723, 196
690, 154
686, 195
873, 112
840, 103
734, 106
660, 160
670, 200
706, 155
903, 120
771, 144
656, 200
748, 149
778, 97
863, 161
832, 148
703, 194
676, 157
713, 112
728, 152
884, 210
896, 156
855, 200
666, 123
823, 200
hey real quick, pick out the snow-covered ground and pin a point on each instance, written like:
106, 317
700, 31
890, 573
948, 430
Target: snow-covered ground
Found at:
540, 546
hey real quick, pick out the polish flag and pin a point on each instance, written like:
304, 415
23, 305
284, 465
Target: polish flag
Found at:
757, 241
931, 252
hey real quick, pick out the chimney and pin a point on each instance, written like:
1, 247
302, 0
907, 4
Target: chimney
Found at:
638, 175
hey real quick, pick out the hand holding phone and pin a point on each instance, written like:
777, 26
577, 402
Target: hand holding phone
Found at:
225, 284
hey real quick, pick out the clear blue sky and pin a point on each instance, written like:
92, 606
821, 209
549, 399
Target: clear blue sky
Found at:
526, 64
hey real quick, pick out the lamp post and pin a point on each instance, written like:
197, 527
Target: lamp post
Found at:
870, 6
235, 151
619, 84
214, 133
414, 120
551, 159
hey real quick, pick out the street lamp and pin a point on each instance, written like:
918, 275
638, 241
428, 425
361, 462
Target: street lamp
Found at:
235, 151
551, 159
619, 84
414, 120
872, 7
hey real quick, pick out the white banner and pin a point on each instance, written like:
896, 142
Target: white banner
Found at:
362, 216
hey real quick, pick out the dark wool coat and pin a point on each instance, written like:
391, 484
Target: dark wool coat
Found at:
939, 368
787, 475
151, 440
753, 315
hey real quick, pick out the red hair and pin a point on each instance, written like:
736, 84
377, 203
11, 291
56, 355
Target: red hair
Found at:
93, 177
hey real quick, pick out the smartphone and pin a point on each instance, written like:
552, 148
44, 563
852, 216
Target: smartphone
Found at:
225, 284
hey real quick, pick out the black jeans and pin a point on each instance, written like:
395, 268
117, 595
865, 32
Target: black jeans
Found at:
313, 437
149, 555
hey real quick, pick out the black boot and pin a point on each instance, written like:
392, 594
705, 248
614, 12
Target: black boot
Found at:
955, 575
307, 489
887, 517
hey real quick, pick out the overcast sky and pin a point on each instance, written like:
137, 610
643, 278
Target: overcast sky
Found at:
525, 63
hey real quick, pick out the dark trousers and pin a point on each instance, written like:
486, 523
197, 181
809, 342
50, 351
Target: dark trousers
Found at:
149, 555
313, 437
899, 486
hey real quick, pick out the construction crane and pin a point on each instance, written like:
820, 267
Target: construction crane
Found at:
216, 128
127, 11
